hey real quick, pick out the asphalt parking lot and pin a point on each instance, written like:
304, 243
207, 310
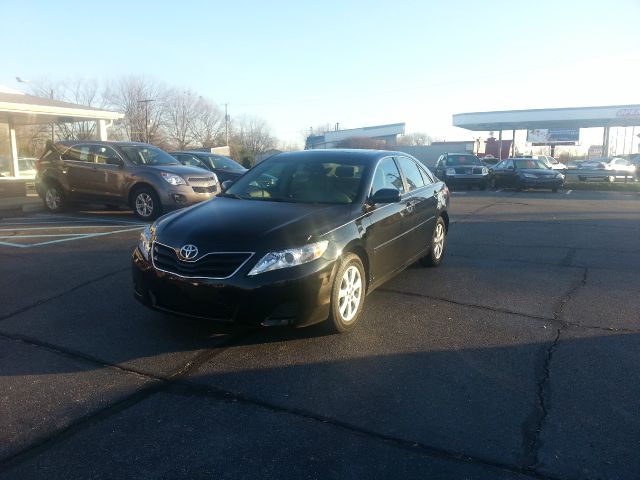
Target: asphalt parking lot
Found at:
517, 358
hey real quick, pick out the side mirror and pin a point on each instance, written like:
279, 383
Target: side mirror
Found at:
385, 195
226, 184
115, 161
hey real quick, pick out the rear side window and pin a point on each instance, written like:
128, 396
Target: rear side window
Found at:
426, 174
102, 153
411, 173
78, 153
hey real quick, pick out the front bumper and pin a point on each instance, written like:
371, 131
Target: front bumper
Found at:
466, 179
184, 196
294, 296
542, 182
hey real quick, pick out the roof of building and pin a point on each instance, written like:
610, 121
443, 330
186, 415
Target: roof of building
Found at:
579, 117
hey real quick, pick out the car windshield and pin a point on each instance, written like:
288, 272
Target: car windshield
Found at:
147, 155
332, 181
220, 162
463, 160
531, 163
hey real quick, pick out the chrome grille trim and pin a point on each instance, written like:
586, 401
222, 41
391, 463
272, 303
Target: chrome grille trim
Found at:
195, 277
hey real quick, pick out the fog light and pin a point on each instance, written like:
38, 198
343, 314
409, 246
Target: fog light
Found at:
179, 198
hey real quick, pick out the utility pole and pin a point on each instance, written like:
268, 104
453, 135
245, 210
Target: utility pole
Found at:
146, 117
226, 124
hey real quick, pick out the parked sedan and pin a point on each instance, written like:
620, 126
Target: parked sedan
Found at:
521, 173
607, 169
326, 229
225, 168
462, 169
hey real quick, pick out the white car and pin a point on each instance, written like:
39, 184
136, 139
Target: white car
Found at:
552, 162
606, 168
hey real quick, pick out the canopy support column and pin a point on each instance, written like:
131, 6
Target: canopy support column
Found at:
102, 130
513, 143
500, 145
605, 142
14, 149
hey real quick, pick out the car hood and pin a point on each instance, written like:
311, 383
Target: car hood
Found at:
228, 224
182, 170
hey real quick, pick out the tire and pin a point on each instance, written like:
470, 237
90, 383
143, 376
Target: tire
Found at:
54, 198
483, 186
519, 186
554, 190
492, 183
437, 247
146, 203
347, 295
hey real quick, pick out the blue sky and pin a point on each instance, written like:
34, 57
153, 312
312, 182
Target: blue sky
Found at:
301, 64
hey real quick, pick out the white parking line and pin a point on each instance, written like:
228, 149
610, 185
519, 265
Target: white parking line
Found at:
69, 238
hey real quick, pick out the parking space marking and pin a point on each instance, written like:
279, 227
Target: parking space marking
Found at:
69, 237
40, 230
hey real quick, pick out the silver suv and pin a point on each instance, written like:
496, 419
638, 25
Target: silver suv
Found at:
147, 179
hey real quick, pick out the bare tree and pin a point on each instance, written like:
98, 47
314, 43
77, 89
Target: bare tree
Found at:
253, 135
143, 103
180, 112
415, 139
82, 92
208, 124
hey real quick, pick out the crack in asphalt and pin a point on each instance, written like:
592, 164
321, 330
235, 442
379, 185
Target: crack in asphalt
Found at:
532, 430
62, 294
158, 384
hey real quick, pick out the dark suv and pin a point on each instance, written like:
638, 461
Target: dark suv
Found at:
462, 169
147, 179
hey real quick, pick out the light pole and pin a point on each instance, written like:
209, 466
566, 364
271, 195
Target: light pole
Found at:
40, 89
226, 124
146, 117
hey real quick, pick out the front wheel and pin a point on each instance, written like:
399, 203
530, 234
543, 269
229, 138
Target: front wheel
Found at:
146, 204
54, 199
347, 294
436, 251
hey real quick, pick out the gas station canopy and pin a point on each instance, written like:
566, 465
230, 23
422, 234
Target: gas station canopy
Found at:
582, 117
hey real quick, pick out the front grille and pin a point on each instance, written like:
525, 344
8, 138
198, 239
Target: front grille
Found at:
212, 265
468, 170
201, 181
477, 171
210, 189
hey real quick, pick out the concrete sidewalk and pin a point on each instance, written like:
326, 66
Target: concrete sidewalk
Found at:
13, 205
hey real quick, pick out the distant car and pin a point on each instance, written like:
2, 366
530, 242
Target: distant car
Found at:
607, 169
552, 162
522, 173
142, 176
489, 160
574, 164
462, 169
225, 168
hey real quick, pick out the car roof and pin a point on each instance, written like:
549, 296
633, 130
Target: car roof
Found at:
70, 143
198, 152
340, 153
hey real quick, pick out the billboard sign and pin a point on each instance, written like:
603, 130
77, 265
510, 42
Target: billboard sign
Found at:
553, 136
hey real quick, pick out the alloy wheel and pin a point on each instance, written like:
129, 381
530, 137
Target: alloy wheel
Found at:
53, 198
438, 240
350, 293
144, 204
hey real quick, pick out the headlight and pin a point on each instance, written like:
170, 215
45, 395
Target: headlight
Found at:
560, 176
173, 179
451, 171
529, 175
485, 171
144, 243
290, 258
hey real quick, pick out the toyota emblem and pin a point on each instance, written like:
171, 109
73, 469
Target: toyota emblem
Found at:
189, 252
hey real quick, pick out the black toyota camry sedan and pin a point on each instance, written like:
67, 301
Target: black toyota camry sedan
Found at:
301, 238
